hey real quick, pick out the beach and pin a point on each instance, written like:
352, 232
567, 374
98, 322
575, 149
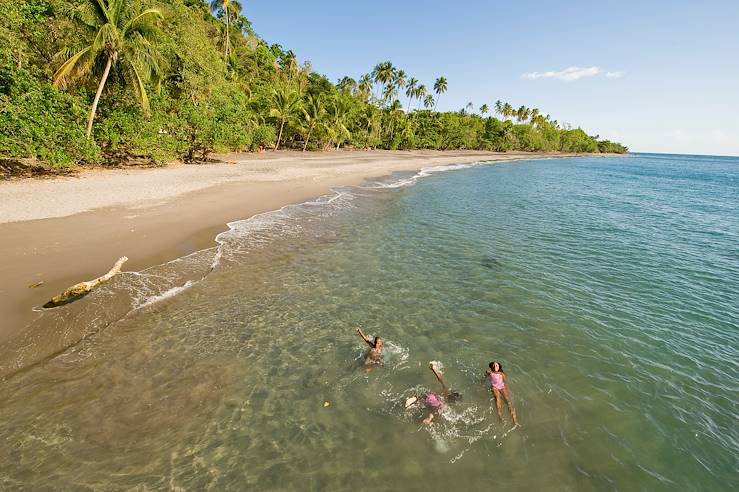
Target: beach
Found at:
65, 230
605, 287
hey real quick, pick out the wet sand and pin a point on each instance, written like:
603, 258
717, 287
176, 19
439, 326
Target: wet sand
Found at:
65, 230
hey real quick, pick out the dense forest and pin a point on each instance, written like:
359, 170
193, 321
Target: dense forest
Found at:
111, 81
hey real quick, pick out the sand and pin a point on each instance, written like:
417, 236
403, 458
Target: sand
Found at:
64, 230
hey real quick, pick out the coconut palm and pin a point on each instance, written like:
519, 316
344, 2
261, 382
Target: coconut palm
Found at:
410, 90
469, 106
484, 109
337, 112
421, 93
399, 80
365, 85
289, 62
507, 110
347, 84
534, 117
383, 74
499, 107
428, 101
390, 92
313, 111
522, 114
286, 105
440, 87
120, 35
227, 10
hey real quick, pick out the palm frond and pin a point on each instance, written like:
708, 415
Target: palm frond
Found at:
66, 72
138, 79
142, 22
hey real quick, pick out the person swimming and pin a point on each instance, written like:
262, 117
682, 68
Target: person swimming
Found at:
497, 380
374, 356
433, 401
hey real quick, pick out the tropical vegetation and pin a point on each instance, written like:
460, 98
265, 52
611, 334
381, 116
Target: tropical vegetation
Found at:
112, 81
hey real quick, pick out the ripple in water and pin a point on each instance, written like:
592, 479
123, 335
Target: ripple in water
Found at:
608, 288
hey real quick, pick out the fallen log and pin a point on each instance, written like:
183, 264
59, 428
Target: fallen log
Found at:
81, 289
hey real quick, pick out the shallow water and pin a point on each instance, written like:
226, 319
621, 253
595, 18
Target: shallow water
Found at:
607, 287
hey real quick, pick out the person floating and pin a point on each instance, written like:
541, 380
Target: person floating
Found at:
374, 356
497, 380
434, 401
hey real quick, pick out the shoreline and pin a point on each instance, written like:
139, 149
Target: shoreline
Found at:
69, 231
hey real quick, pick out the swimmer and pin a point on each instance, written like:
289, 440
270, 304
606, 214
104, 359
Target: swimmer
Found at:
497, 380
434, 401
374, 356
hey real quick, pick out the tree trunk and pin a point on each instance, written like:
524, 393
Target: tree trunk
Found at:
97, 95
310, 130
279, 137
78, 290
437, 101
228, 39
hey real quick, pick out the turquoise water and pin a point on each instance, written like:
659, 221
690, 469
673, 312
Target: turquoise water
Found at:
607, 287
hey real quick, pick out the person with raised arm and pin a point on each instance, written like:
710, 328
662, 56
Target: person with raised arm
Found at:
435, 401
374, 356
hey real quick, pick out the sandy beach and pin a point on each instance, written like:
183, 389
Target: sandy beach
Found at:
64, 230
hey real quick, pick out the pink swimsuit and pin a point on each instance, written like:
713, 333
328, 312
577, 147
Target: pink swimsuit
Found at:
496, 380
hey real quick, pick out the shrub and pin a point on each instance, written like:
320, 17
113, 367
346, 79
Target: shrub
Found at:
38, 121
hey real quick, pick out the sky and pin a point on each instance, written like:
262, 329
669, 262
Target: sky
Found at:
656, 75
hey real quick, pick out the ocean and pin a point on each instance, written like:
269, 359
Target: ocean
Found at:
607, 287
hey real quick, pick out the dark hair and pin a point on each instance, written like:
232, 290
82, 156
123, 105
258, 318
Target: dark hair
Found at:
492, 366
374, 343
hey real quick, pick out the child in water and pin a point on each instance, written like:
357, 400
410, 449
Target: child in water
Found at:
374, 356
497, 380
434, 401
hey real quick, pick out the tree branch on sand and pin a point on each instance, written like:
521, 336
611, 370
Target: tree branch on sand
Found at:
81, 289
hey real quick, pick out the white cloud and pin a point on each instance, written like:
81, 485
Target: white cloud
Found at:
572, 73
568, 74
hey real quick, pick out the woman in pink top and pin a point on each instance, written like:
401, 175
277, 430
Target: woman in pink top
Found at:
497, 380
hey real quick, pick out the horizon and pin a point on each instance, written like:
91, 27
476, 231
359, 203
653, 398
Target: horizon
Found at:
657, 87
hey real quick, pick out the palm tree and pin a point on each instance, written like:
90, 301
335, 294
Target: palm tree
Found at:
399, 79
534, 117
286, 104
383, 73
499, 107
226, 9
469, 107
507, 110
440, 87
390, 92
522, 114
421, 93
484, 109
313, 110
410, 90
365, 85
428, 101
289, 62
119, 34
337, 112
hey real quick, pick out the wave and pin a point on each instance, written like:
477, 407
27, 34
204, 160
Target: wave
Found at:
58, 329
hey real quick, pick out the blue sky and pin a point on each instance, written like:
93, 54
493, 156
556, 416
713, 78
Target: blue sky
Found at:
659, 76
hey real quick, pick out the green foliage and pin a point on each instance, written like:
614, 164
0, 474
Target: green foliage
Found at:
38, 121
577, 141
194, 79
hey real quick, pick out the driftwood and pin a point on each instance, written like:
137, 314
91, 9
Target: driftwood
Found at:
81, 289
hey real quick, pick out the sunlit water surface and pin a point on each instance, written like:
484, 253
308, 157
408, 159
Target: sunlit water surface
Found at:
607, 287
